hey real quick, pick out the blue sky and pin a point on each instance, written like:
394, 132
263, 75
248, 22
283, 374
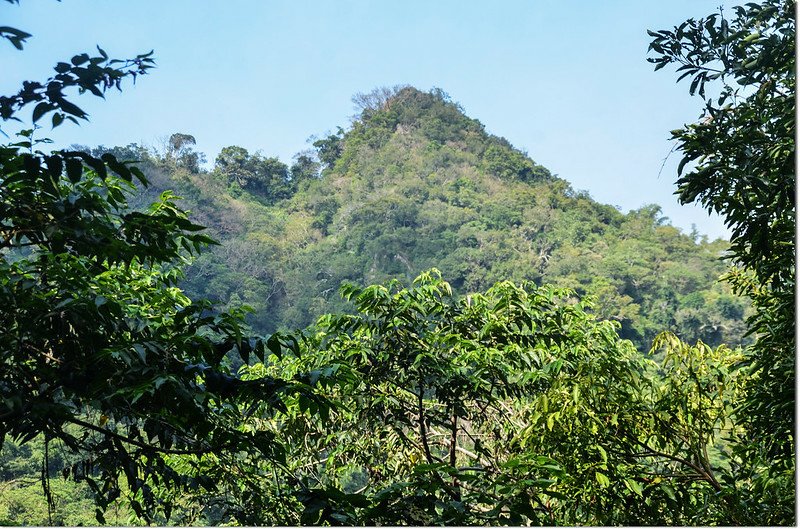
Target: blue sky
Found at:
565, 80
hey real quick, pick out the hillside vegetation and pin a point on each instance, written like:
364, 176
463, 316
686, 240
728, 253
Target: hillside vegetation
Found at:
454, 336
415, 184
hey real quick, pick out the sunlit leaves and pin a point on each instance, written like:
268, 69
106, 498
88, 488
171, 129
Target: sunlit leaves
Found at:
511, 406
739, 161
100, 350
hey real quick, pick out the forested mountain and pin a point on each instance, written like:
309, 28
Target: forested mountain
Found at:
506, 383
415, 184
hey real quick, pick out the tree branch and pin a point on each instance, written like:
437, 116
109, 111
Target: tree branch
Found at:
139, 444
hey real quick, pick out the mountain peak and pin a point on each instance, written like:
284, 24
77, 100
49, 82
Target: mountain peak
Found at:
407, 108
415, 183
431, 120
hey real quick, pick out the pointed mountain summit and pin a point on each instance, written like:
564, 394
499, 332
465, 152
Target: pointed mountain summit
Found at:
415, 184
428, 120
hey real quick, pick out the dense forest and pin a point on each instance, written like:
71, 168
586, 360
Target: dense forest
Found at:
412, 322
414, 184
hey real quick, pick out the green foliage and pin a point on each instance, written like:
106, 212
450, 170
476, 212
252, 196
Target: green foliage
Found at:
94, 74
329, 148
179, 150
739, 160
73, 505
101, 353
514, 406
392, 202
305, 168
267, 177
486, 402
508, 163
21, 498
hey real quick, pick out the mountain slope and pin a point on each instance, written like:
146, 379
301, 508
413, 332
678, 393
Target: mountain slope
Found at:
415, 184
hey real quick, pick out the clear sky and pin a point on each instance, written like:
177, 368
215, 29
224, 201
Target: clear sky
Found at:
565, 80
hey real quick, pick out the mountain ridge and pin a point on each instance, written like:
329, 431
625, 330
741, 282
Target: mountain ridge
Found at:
414, 184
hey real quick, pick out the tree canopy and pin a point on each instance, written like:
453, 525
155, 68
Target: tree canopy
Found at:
571, 373
739, 160
100, 352
514, 406
392, 203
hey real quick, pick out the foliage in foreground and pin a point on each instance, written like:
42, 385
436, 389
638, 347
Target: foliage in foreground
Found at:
739, 161
515, 406
100, 353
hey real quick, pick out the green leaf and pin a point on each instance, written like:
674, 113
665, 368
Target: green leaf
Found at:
74, 170
55, 166
668, 490
634, 486
274, 345
70, 108
41, 109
